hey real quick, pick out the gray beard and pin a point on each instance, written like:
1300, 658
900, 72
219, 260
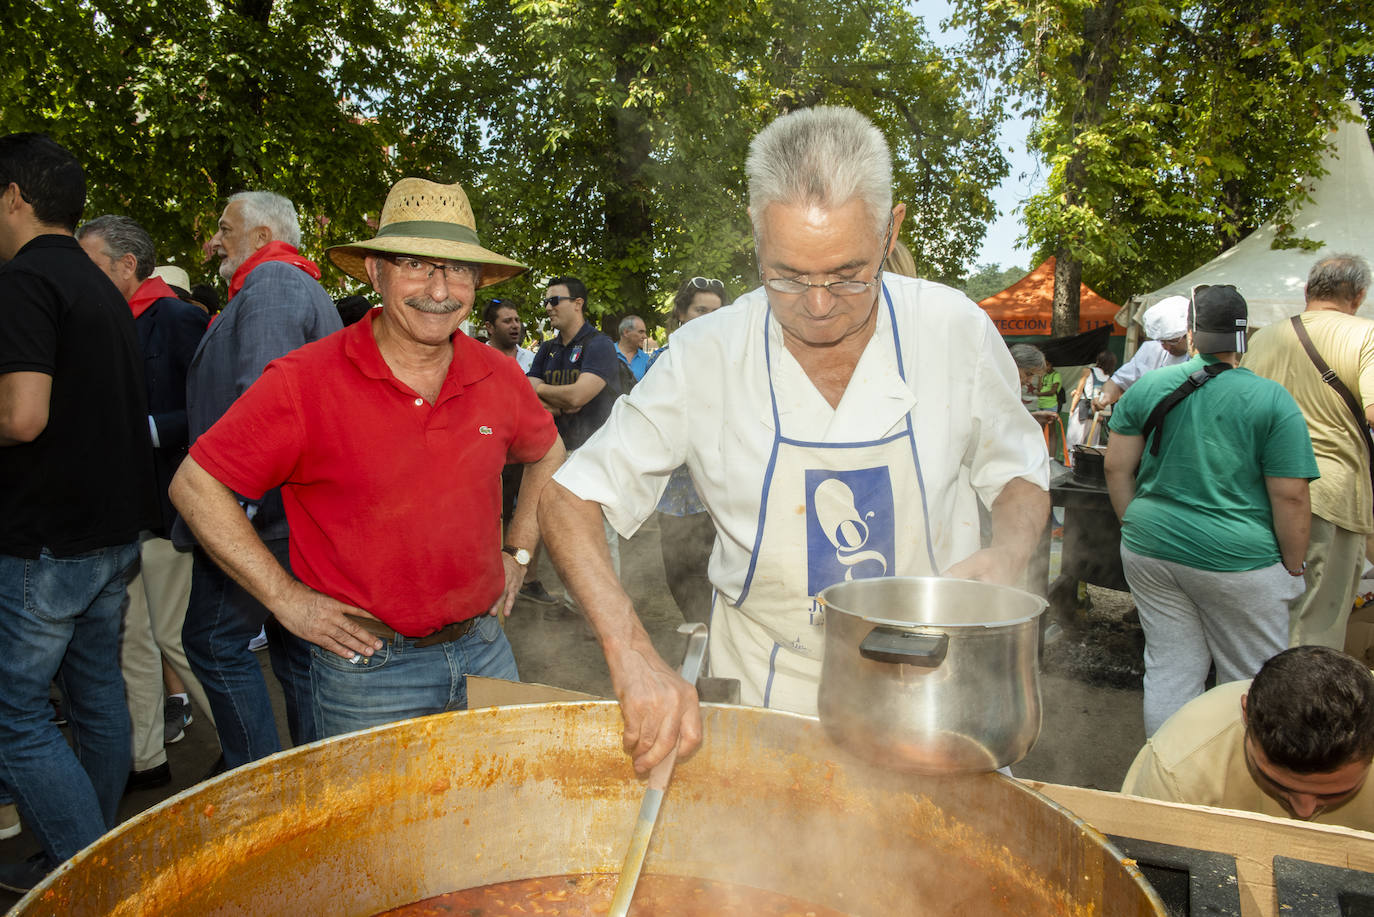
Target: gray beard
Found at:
229, 266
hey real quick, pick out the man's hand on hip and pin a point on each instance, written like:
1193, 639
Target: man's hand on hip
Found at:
515, 578
323, 621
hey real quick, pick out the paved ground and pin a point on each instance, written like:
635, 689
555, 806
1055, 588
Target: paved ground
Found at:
1091, 729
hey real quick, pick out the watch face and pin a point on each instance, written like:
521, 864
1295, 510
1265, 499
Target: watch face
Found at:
522, 557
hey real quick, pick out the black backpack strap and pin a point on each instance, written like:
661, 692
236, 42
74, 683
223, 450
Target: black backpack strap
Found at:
1170, 401
1330, 378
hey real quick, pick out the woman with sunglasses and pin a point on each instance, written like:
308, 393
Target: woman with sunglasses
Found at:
686, 533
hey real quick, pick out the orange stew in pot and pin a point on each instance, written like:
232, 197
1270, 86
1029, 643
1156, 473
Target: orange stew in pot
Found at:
590, 894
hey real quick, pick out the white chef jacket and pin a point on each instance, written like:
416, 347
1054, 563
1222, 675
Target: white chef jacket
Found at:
1151, 355
706, 403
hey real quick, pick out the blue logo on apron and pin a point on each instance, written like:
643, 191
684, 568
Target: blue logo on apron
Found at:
849, 526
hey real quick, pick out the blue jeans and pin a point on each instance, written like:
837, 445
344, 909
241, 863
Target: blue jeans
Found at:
220, 620
402, 680
60, 619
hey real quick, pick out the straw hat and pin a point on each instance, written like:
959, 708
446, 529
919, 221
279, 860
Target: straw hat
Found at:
428, 220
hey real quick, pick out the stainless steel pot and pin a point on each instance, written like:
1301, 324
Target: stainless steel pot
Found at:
354, 825
931, 675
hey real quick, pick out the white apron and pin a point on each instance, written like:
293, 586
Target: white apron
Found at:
829, 513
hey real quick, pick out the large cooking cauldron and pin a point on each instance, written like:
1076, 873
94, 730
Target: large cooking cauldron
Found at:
368, 821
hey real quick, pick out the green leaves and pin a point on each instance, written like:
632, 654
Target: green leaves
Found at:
599, 137
1170, 128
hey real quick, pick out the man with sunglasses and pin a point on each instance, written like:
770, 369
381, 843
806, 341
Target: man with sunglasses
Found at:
387, 440
576, 375
1166, 326
837, 423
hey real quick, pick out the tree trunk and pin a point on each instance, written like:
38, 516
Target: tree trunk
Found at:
1068, 277
1097, 66
629, 226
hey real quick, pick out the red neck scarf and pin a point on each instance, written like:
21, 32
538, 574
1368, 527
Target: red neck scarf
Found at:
272, 251
149, 292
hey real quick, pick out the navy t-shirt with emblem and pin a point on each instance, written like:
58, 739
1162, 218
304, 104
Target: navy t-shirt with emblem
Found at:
589, 351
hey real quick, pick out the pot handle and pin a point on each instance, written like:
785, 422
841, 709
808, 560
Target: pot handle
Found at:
902, 647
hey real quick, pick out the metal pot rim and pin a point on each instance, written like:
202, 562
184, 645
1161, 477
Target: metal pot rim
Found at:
917, 626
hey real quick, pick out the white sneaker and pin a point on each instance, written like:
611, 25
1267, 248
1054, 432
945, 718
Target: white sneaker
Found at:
258, 642
9, 821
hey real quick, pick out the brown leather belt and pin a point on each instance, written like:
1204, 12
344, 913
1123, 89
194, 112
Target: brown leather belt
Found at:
445, 634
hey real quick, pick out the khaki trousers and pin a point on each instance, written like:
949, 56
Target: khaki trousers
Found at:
152, 630
1335, 560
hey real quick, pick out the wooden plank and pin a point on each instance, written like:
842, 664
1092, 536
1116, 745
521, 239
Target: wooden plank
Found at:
1253, 839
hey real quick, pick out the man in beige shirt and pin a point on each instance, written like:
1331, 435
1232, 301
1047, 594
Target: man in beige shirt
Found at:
1341, 498
1295, 742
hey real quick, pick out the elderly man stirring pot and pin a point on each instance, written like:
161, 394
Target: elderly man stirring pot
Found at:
841, 424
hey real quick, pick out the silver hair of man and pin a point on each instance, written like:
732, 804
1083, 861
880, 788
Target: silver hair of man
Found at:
123, 236
1027, 357
265, 208
628, 323
824, 156
1338, 278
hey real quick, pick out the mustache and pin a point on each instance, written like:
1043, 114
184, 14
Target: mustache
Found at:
425, 304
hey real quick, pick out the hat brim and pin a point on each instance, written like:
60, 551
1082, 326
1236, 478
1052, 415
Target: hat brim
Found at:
351, 258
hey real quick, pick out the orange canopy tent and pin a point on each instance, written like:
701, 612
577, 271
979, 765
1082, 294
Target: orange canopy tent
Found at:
1025, 308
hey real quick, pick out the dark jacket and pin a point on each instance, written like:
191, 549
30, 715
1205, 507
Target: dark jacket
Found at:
169, 331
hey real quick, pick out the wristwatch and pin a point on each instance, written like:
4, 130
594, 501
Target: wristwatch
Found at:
522, 557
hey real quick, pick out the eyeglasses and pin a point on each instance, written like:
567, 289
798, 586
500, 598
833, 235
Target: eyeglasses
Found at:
552, 301
707, 283
419, 269
791, 286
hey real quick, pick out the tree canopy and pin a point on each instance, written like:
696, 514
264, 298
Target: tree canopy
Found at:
1170, 128
602, 138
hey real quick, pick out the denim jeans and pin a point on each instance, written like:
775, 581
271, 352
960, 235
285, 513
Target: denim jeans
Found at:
220, 620
402, 680
59, 619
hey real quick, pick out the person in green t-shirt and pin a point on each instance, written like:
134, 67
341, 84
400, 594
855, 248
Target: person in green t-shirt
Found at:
1214, 509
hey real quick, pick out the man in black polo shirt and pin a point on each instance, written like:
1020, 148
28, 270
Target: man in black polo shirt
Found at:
576, 374
77, 465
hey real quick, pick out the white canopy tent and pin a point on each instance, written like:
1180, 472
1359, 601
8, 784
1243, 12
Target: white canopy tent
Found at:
1340, 215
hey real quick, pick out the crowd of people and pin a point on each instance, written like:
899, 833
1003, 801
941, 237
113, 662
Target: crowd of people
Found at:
372, 494
1238, 462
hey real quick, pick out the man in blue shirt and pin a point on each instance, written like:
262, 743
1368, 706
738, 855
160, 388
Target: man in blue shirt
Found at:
631, 350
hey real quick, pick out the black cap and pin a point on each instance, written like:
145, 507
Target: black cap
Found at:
1218, 318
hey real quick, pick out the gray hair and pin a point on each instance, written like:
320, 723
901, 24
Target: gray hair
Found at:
264, 208
123, 236
1338, 278
1027, 357
825, 156
628, 322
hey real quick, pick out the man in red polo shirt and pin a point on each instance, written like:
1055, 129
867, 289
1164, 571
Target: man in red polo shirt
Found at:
387, 440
